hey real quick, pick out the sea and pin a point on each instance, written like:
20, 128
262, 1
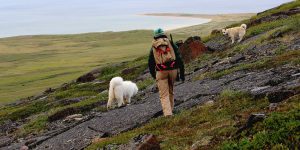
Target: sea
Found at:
36, 17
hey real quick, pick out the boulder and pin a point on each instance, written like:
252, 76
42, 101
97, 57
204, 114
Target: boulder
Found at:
192, 48
219, 43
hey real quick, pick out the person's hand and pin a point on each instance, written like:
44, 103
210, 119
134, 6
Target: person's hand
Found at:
182, 79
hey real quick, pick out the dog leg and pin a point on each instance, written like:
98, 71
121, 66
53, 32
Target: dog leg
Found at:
120, 101
129, 100
109, 104
232, 39
240, 38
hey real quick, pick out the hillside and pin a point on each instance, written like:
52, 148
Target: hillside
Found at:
241, 96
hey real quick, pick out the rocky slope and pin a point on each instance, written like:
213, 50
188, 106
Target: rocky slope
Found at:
265, 65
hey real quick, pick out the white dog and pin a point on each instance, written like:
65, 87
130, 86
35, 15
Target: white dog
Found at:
120, 91
235, 32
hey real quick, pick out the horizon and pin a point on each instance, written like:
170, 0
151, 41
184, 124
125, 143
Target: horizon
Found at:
51, 17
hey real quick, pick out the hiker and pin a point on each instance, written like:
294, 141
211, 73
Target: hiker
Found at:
164, 61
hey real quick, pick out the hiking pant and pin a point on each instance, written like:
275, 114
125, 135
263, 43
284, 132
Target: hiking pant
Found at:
165, 82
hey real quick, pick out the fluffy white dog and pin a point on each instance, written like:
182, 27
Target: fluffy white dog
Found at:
235, 32
120, 91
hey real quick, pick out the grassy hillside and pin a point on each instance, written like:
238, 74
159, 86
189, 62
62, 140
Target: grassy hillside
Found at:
30, 64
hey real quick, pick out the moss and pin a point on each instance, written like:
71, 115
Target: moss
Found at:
279, 130
34, 126
21, 112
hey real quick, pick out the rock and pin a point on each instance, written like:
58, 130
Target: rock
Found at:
140, 142
49, 90
259, 92
225, 61
179, 43
209, 103
192, 48
203, 142
255, 118
149, 142
86, 78
24, 148
5, 141
273, 106
237, 58
72, 100
129, 71
76, 117
278, 96
153, 88
7, 127
219, 43
216, 32
296, 75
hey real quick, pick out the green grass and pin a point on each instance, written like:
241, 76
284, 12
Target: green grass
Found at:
21, 112
279, 131
290, 23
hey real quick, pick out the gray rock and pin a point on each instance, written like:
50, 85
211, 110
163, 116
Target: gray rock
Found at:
237, 58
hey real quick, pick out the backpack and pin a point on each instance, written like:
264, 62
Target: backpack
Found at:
164, 59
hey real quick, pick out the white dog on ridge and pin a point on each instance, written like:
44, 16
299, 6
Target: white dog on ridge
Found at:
235, 32
120, 91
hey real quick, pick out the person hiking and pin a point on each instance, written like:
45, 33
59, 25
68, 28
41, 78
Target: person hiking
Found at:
164, 61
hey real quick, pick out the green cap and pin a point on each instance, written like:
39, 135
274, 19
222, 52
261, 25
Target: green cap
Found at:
158, 32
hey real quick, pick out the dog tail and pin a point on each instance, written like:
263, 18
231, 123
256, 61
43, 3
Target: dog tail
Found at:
112, 84
244, 26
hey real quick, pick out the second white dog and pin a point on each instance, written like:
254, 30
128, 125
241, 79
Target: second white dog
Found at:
235, 32
120, 91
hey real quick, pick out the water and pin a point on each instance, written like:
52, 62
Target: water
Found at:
30, 17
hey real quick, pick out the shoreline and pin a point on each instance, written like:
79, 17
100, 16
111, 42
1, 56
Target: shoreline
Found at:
213, 17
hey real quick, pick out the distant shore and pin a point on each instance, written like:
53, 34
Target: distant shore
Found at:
213, 17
